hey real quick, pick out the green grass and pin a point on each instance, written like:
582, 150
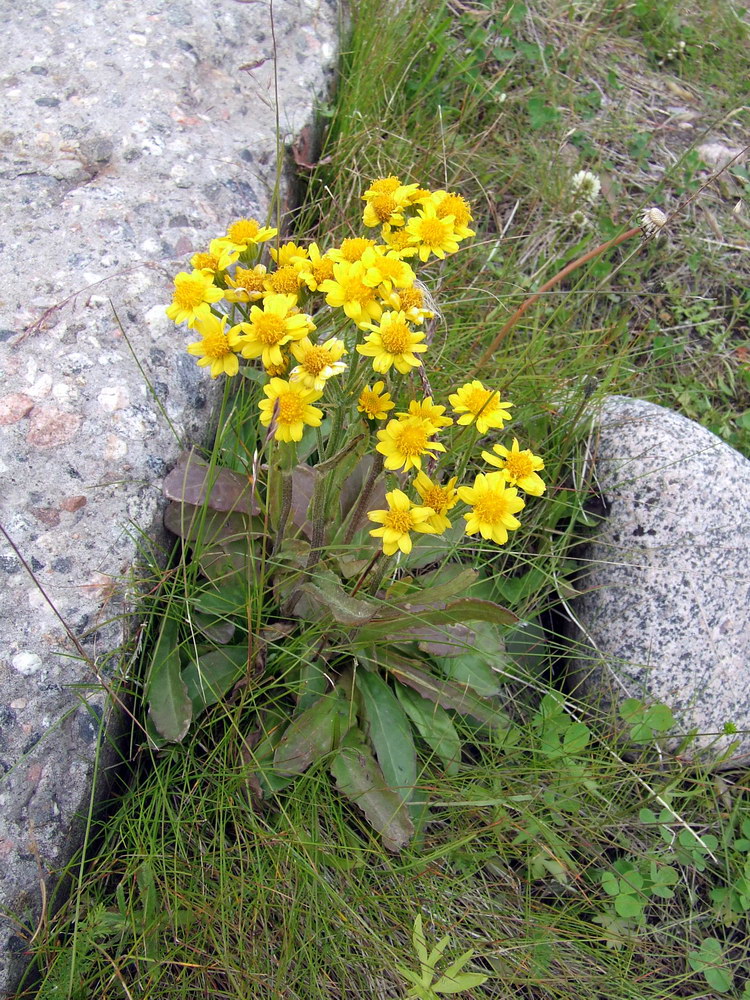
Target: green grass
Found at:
569, 852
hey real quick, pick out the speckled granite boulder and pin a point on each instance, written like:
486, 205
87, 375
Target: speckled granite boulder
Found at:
131, 134
665, 611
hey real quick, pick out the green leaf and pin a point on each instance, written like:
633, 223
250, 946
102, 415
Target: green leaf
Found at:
627, 905
445, 693
389, 733
449, 585
193, 481
710, 961
358, 776
170, 708
311, 735
632, 710
209, 678
418, 940
576, 738
326, 594
659, 718
474, 667
434, 725
397, 622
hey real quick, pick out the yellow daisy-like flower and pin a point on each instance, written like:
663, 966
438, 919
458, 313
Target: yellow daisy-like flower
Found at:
351, 249
347, 291
386, 269
474, 402
193, 295
248, 284
431, 234
380, 209
405, 441
383, 185
317, 362
519, 467
217, 346
440, 499
205, 262
493, 505
276, 370
428, 410
241, 235
397, 523
284, 281
447, 203
271, 327
374, 402
412, 302
393, 343
287, 253
315, 268
398, 240
288, 409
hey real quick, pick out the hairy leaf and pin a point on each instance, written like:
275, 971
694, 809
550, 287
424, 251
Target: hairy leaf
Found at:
434, 725
389, 732
170, 708
311, 735
474, 664
209, 678
358, 776
396, 622
326, 596
193, 481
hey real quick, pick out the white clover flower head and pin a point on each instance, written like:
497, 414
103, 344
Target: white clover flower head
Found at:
586, 184
579, 219
653, 221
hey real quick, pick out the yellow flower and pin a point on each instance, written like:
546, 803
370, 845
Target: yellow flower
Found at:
374, 402
271, 327
439, 499
287, 253
315, 268
347, 291
393, 343
411, 301
383, 185
401, 518
398, 240
274, 370
493, 506
386, 269
205, 262
284, 281
193, 295
247, 284
351, 249
380, 209
474, 402
217, 346
287, 409
403, 442
241, 234
447, 203
317, 362
519, 467
431, 234
428, 410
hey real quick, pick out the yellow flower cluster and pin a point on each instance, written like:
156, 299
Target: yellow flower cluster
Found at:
247, 300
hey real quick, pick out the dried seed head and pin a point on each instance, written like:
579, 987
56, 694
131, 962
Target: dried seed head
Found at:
652, 223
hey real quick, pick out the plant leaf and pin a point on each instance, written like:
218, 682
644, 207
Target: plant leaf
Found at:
170, 708
389, 732
358, 776
193, 481
327, 595
311, 735
209, 678
459, 582
434, 725
398, 621
474, 665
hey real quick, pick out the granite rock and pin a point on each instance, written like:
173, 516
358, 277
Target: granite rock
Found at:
664, 612
132, 133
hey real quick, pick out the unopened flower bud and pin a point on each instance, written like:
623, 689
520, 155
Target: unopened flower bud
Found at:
652, 223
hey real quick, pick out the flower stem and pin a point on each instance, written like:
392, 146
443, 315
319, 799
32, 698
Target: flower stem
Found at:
286, 506
363, 575
568, 269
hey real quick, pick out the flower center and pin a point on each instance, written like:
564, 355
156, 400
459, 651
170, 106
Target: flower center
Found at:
208, 260
356, 291
386, 185
243, 231
189, 293
322, 270
353, 248
252, 281
216, 345
519, 465
435, 497
284, 281
399, 520
432, 231
411, 298
411, 440
390, 267
484, 400
492, 508
269, 328
395, 337
399, 239
454, 205
316, 359
384, 206
291, 408
369, 401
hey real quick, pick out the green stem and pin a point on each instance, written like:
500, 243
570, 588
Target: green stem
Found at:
286, 507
